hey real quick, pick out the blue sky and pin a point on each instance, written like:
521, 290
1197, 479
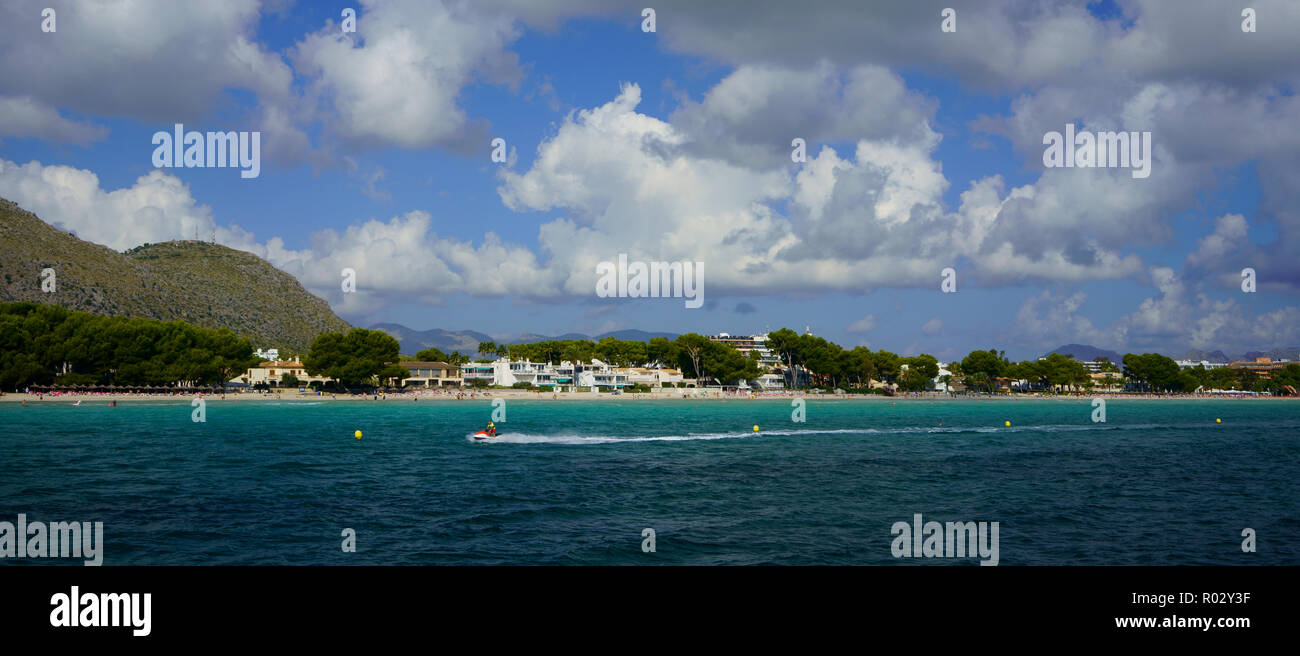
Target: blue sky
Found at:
924, 151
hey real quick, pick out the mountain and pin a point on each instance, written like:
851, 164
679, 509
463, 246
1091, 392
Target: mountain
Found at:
627, 334
633, 335
1196, 355
1086, 353
414, 341
531, 338
204, 284
467, 341
1292, 354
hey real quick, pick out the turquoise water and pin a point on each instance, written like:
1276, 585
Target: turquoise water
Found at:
577, 482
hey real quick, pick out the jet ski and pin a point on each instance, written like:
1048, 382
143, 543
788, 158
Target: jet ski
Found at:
483, 435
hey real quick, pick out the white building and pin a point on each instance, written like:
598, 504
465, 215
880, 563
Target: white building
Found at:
1192, 364
506, 373
938, 383
748, 343
653, 377
600, 374
268, 354
271, 371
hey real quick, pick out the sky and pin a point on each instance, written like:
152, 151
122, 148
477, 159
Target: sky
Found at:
923, 151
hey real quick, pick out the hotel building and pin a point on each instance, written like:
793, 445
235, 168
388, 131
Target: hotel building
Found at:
271, 371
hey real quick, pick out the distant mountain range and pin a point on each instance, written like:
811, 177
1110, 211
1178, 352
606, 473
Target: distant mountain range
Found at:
414, 341
1291, 353
467, 341
204, 284
1209, 356
1085, 352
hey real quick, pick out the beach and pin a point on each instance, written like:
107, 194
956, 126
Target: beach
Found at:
665, 395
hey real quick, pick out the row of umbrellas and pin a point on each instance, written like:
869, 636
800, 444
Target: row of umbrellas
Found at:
121, 388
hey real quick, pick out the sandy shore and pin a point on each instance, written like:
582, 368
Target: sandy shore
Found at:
675, 395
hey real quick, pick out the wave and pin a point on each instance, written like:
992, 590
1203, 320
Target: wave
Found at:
532, 438
576, 439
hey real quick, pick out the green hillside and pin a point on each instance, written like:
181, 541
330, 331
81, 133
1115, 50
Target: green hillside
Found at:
208, 285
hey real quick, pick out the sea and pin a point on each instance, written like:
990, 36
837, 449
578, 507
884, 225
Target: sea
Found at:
665, 482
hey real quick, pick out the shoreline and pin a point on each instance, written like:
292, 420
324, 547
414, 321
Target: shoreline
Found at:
99, 398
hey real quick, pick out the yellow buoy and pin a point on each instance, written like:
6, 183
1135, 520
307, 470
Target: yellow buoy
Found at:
358, 434
1008, 424
1218, 420
756, 428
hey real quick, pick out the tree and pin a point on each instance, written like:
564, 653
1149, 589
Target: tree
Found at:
925, 363
431, 354
353, 358
921, 371
1061, 371
913, 380
692, 347
38, 341
621, 353
1155, 372
984, 366
860, 366
393, 373
578, 350
827, 360
726, 365
785, 344
487, 348
888, 365
662, 351
288, 380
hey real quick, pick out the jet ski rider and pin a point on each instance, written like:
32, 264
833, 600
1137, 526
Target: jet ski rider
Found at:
491, 429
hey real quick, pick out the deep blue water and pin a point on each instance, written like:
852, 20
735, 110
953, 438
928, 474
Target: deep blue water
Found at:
576, 482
